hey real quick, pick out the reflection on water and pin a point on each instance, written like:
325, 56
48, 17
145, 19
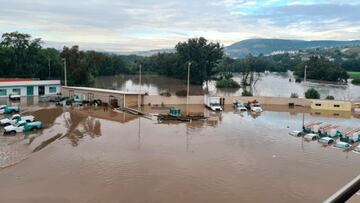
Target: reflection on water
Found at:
270, 84
78, 126
232, 157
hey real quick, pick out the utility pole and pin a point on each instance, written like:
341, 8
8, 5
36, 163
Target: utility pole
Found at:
139, 97
188, 85
305, 69
65, 77
49, 66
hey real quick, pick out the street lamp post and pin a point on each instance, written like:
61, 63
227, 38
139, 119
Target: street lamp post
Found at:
65, 77
303, 121
188, 85
139, 97
49, 66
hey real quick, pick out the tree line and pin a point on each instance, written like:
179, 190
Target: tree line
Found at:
23, 56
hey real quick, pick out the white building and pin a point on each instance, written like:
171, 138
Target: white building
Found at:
28, 87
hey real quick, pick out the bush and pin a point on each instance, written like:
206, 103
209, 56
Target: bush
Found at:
330, 97
246, 93
312, 94
294, 95
227, 83
356, 81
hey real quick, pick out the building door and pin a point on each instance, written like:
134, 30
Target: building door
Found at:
29, 90
41, 90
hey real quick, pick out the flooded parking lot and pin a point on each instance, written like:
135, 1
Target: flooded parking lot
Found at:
92, 155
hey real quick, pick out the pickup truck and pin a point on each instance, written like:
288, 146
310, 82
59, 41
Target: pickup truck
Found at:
22, 126
254, 106
9, 109
16, 118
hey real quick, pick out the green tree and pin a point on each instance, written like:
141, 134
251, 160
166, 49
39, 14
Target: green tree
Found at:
203, 56
312, 94
319, 68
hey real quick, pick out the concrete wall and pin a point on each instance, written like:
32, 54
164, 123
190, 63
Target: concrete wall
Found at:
173, 100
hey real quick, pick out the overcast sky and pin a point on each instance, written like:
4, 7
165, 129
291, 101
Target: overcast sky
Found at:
135, 25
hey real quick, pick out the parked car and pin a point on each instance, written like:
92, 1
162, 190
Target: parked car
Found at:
326, 140
2, 108
357, 149
14, 97
239, 106
296, 133
254, 106
342, 145
22, 126
9, 109
311, 137
15, 119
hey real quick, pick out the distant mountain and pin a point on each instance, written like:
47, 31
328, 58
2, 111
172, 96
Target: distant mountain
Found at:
267, 46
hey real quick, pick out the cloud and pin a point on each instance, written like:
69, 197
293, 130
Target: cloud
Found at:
132, 25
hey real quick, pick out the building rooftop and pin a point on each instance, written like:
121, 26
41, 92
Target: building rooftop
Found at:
104, 90
27, 82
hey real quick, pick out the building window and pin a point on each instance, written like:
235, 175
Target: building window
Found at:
52, 89
16, 91
3, 92
317, 104
337, 106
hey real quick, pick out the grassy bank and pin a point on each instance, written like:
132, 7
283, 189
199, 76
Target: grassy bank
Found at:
354, 74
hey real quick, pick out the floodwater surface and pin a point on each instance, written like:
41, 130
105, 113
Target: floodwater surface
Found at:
91, 155
269, 84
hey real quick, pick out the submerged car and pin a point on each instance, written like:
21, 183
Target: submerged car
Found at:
16, 118
9, 109
239, 106
296, 133
342, 145
22, 126
14, 97
311, 137
357, 149
326, 140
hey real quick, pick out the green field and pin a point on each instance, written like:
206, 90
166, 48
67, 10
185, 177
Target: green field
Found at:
354, 74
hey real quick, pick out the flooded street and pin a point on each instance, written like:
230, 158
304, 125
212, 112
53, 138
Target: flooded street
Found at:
270, 84
91, 155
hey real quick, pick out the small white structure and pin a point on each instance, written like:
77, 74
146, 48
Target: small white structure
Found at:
212, 103
29, 87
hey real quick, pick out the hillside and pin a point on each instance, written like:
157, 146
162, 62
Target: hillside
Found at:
267, 46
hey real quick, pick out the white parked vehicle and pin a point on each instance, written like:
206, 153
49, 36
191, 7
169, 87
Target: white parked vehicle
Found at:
22, 126
2, 108
357, 149
16, 118
14, 97
326, 140
212, 103
311, 136
342, 145
296, 133
254, 106
239, 106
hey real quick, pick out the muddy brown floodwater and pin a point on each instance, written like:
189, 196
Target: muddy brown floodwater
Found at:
88, 155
